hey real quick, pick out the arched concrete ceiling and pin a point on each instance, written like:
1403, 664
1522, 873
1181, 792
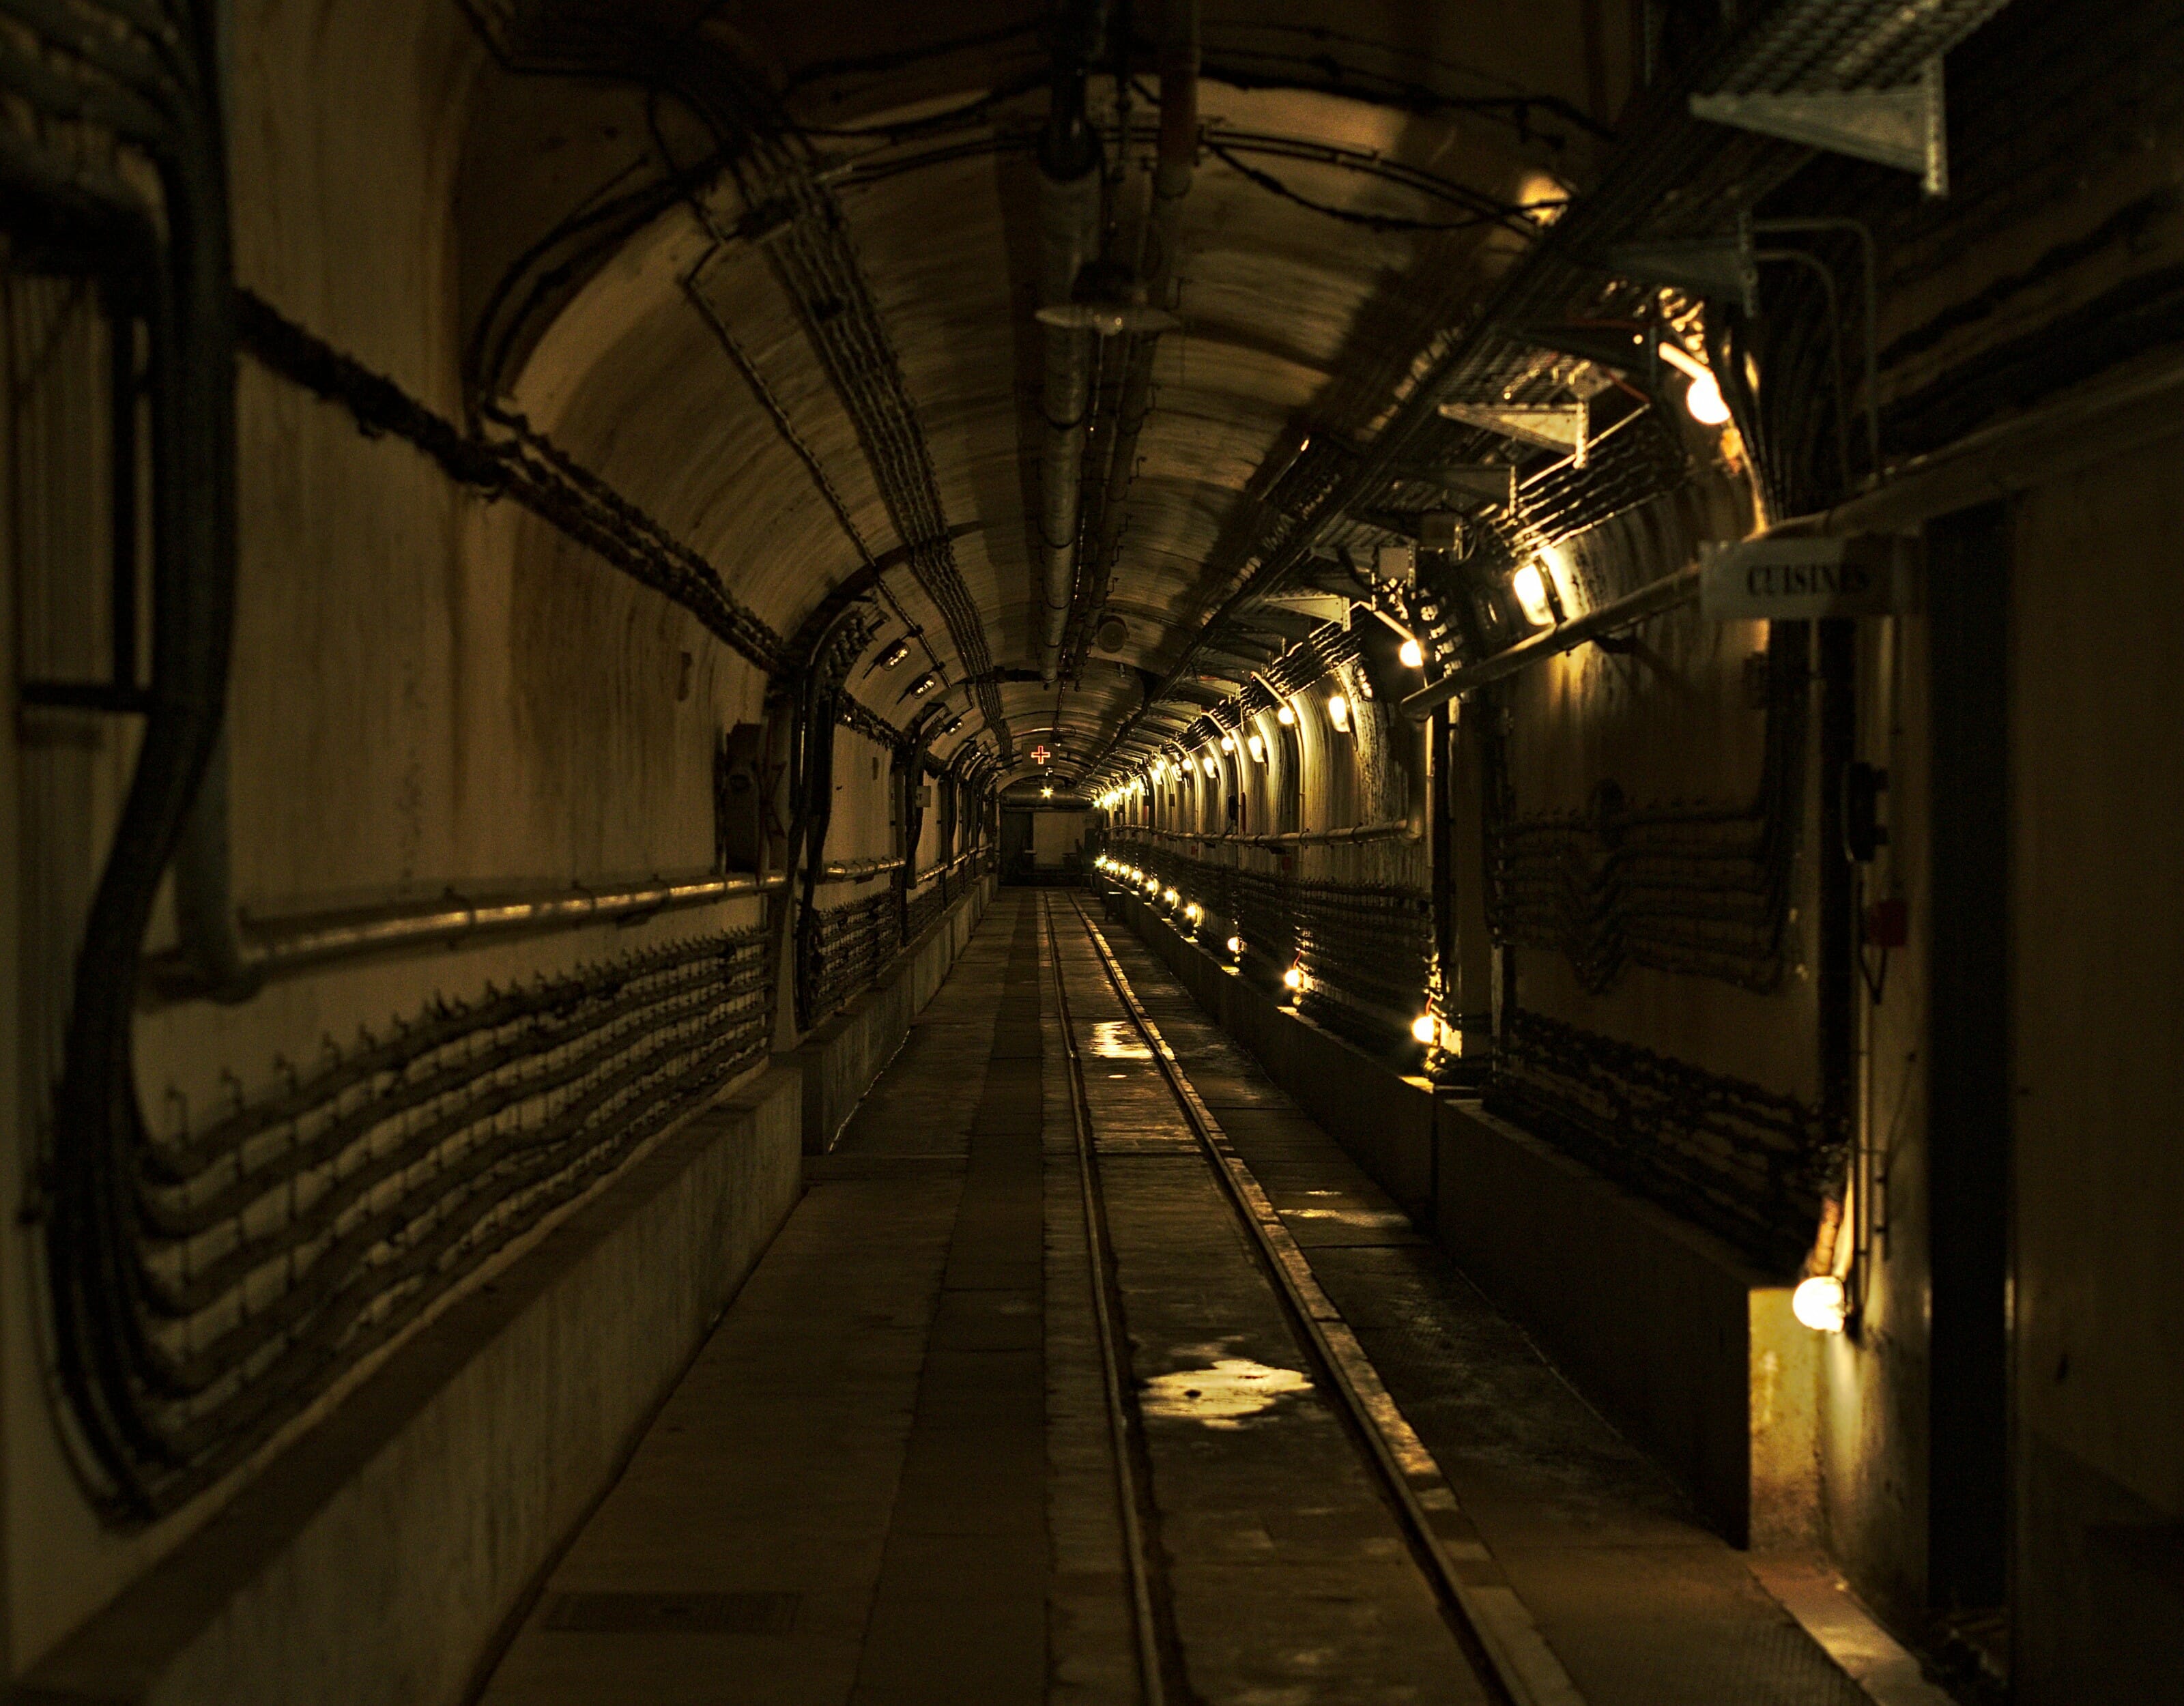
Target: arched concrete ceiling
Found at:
618, 292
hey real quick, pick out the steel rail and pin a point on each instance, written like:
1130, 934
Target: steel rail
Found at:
1463, 1574
1100, 1261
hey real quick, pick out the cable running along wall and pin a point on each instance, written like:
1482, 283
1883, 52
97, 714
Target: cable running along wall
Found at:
281, 1241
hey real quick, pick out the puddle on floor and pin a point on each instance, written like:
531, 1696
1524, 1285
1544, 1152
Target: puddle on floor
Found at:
1117, 1039
1223, 1395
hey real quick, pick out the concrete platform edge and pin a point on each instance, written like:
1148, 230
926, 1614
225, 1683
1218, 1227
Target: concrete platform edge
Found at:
1689, 1350
371, 1562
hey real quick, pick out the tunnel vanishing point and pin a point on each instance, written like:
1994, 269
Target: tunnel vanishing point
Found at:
1108, 851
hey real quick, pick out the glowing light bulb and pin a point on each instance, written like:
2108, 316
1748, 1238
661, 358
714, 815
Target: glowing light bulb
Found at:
1820, 1304
1702, 398
1046, 793
1285, 715
1169, 898
1194, 912
1423, 1028
1228, 743
1258, 749
1337, 713
1236, 944
1412, 655
1211, 767
1530, 587
1292, 979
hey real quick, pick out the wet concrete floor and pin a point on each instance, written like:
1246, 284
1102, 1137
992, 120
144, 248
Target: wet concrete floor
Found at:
888, 1476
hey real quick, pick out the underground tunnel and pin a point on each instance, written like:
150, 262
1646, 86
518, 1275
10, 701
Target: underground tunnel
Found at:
1109, 851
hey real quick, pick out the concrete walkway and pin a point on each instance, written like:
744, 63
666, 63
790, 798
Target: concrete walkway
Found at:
888, 1476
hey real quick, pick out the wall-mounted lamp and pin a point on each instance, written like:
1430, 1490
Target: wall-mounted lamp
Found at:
1284, 715
1212, 768
923, 685
1236, 946
1530, 584
1424, 1028
1821, 1304
1228, 743
1257, 748
1337, 713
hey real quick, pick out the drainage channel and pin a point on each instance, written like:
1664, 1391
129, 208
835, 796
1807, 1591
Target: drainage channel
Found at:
1490, 1624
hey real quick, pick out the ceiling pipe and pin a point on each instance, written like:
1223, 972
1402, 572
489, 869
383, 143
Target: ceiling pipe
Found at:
1173, 167
1069, 188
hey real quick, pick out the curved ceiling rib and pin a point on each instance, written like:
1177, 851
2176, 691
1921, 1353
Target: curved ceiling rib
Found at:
1349, 205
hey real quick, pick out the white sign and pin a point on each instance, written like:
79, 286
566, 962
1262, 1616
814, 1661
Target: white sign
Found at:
1801, 580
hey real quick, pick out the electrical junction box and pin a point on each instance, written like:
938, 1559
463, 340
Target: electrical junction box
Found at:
1400, 563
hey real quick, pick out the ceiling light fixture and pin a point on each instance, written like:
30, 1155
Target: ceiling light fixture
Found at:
1702, 398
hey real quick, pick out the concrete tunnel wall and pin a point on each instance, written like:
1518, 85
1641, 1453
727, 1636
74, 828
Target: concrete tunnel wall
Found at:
432, 691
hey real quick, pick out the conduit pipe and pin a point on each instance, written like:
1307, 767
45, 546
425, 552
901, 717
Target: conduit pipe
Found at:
1176, 162
1068, 236
1665, 594
277, 947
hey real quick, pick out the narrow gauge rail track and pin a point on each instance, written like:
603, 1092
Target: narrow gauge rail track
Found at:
1491, 1622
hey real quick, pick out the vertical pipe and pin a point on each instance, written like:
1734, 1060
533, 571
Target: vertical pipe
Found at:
1069, 192
1173, 172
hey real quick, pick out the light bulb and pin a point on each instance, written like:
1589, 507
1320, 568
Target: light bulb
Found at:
1046, 793
1169, 898
1292, 978
1423, 1028
1703, 399
1210, 765
1337, 713
1228, 743
1285, 715
1412, 655
1258, 748
1820, 1304
1530, 587
1235, 944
